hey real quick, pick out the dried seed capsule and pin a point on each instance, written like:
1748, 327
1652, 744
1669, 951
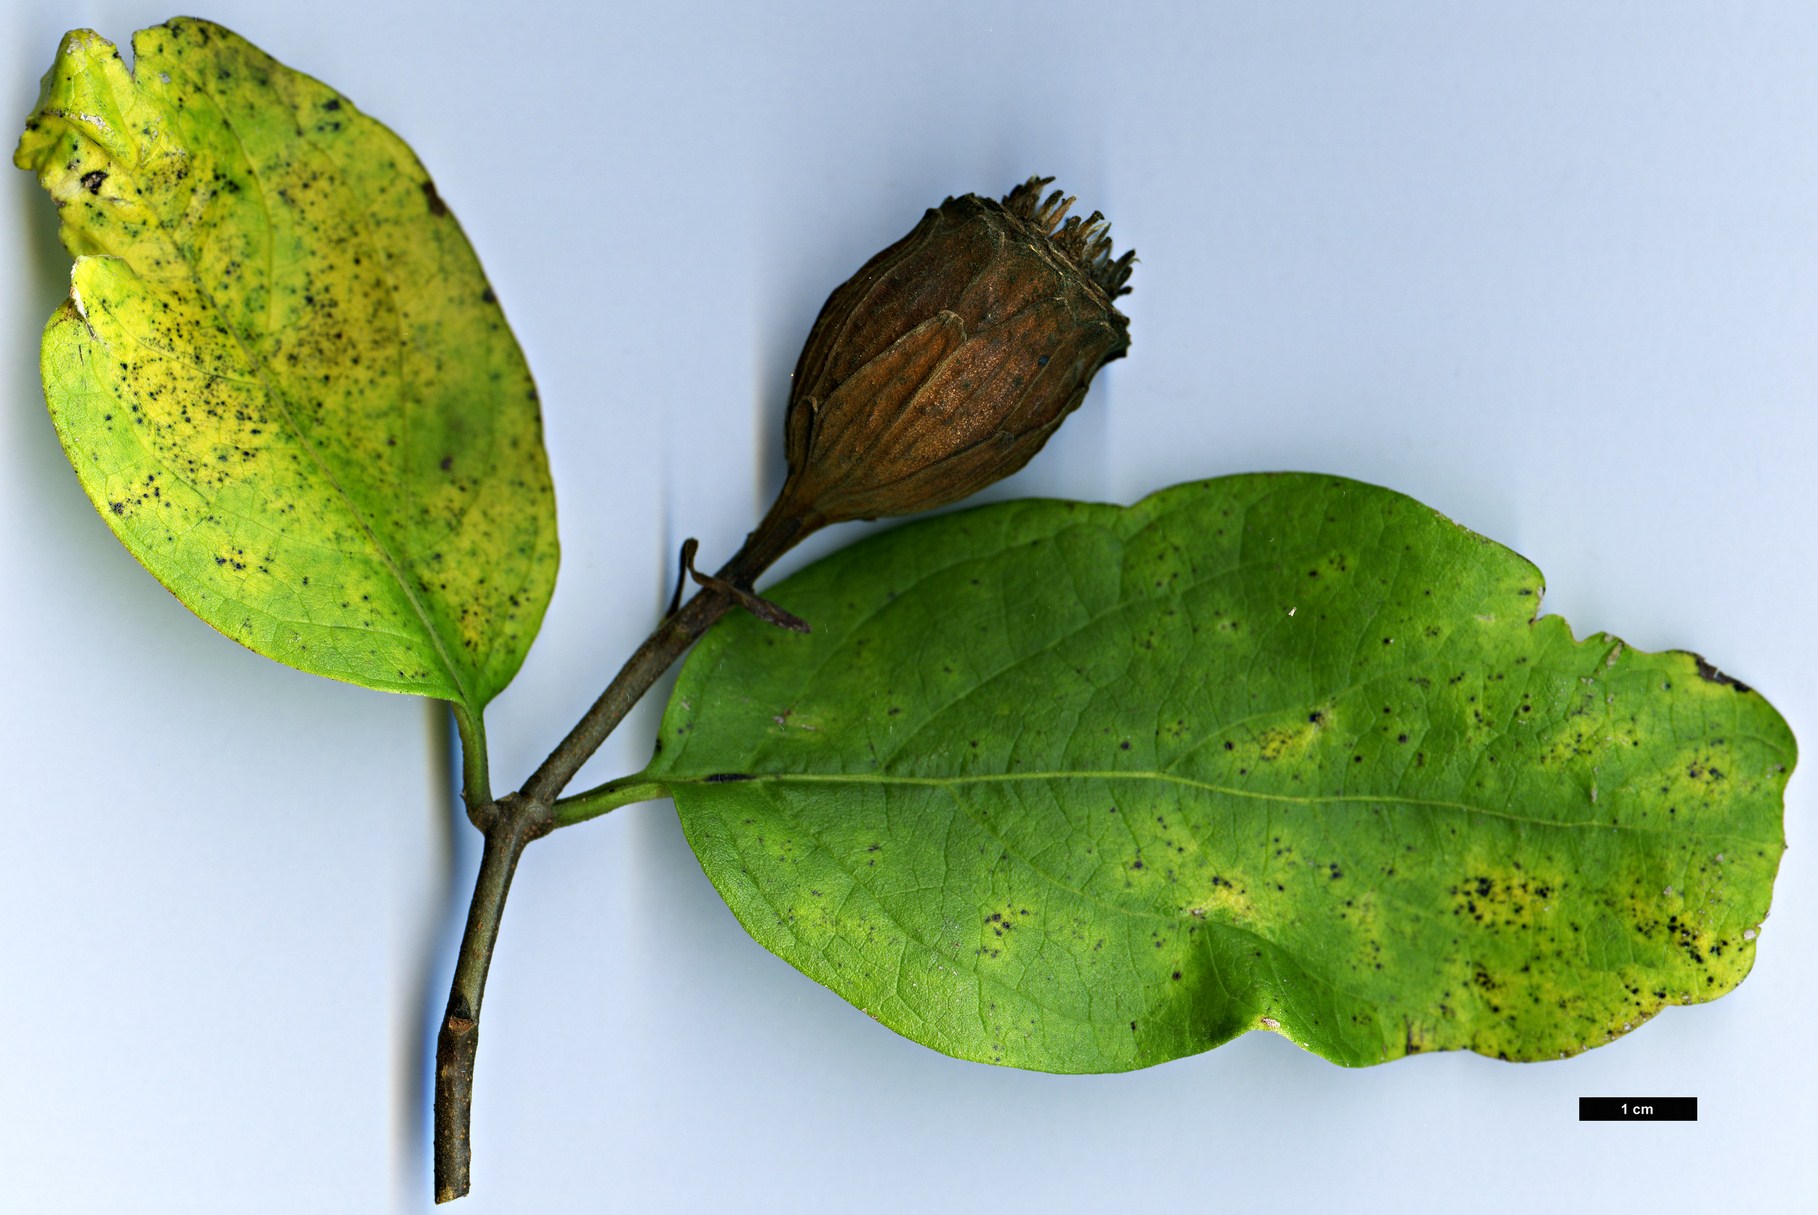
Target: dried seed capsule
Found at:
946, 362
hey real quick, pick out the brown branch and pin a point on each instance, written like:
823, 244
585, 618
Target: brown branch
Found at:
679, 630
510, 824
513, 821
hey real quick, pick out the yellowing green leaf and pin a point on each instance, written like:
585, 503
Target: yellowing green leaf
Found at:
281, 375
1083, 788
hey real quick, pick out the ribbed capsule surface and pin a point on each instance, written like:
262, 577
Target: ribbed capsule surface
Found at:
946, 362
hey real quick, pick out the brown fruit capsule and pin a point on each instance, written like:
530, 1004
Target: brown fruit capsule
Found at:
947, 361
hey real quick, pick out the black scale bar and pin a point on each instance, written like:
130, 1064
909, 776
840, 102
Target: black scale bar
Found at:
1638, 1109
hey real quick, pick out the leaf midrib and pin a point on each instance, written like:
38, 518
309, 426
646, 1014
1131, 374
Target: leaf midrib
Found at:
1080, 774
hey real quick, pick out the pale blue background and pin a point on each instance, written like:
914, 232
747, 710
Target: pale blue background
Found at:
1552, 269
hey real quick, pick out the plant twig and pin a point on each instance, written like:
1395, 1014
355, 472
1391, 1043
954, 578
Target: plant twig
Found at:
510, 824
679, 630
513, 821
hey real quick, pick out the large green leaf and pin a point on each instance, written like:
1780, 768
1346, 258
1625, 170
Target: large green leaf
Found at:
280, 374
1083, 788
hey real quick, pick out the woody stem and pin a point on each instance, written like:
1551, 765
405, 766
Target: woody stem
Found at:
512, 822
